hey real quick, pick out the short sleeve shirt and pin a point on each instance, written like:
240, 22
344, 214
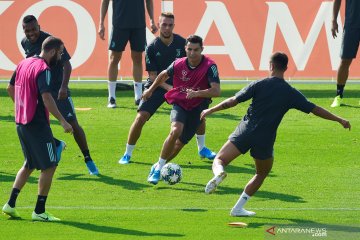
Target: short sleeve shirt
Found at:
159, 56
352, 14
212, 72
271, 99
128, 14
32, 49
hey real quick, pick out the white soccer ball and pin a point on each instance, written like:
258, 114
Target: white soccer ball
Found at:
171, 173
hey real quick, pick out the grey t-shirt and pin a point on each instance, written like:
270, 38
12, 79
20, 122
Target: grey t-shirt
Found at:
271, 99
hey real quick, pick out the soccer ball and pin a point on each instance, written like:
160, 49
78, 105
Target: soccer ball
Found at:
171, 173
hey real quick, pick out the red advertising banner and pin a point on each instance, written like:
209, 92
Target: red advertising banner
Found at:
239, 35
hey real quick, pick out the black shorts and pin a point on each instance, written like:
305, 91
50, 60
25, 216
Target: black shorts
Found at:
37, 143
190, 119
66, 108
154, 102
120, 37
350, 43
260, 147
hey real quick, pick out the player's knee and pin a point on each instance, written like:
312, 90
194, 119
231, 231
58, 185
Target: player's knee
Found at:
141, 119
175, 132
345, 63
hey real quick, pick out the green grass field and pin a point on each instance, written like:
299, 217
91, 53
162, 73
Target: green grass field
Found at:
315, 180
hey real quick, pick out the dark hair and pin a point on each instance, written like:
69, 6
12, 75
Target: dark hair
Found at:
168, 15
51, 43
194, 39
279, 60
29, 18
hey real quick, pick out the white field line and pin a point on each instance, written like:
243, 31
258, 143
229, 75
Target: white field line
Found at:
186, 208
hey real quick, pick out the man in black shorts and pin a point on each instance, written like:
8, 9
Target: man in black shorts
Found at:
129, 25
33, 100
195, 82
60, 75
271, 98
159, 55
350, 43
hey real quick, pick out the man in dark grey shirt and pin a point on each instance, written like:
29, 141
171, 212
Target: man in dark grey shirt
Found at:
350, 43
271, 98
128, 25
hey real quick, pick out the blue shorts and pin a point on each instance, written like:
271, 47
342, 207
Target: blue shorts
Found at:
120, 37
350, 43
66, 108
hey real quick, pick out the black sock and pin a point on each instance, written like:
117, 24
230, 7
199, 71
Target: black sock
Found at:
340, 90
57, 142
13, 196
40, 204
86, 154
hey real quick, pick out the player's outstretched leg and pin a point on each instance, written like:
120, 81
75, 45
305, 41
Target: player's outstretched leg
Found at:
204, 152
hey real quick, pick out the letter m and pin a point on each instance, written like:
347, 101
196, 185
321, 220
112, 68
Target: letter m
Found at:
279, 15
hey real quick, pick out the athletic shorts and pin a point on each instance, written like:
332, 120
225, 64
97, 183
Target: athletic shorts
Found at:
120, 37
154, 102
66, 108
350, 43
190, 119
37, 143
260, 147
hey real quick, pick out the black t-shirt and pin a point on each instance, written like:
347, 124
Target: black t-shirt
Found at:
271, 99
159, 56
128, 14
32, 49
352, 14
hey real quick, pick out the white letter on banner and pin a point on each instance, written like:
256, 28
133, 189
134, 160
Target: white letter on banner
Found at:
86, 30
5, 62
216, 12
279, 14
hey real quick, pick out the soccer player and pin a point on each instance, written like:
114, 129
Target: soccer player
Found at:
350, 43
195, 82
60, 75
271, 98
129, 24
158, 56
33, 100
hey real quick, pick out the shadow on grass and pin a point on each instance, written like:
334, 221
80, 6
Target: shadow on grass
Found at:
303, 223
115, 230
126, 184
7, 177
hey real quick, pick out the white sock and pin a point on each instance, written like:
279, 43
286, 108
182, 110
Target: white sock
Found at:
217, 168
242, 200
200, 139
160, 163
137, 90
129, 149
112, 89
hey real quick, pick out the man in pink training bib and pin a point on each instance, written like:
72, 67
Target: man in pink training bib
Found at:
195, 82
33, 102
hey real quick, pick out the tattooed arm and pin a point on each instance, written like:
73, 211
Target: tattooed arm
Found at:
228, 103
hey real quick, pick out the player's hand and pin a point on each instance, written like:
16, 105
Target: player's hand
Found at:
67, 127
62, 93
334, 29
345, 123
204, 113
191, 93
153, 27
101, 31
146, 94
